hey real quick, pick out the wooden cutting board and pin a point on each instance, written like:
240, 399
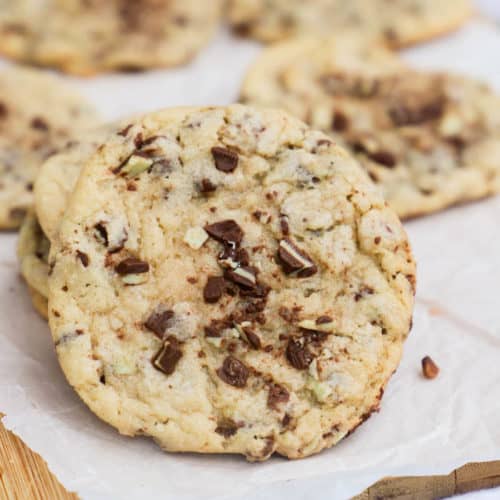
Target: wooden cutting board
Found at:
24, 476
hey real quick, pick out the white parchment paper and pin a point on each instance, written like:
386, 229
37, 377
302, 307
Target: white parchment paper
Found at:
425, 427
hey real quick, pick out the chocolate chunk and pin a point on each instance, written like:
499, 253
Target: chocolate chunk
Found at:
243, 276
169, 355
285, 227
84, 258
277, 394
340, 121
131, 265
236, 255
216, 326
226, 231
252, 337
225, 160
214, 289
124, 132
385, 158
138, 140
259, 291
293, 259
207, 186
429, 368
406, 115
298, 354
101, 233
323, 320
227, 429
158, 322
233, 372
39, 123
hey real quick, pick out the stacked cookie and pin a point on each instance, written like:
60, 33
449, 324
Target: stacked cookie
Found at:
224, 280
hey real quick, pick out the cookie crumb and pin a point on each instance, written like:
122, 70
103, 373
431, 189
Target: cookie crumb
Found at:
429, 368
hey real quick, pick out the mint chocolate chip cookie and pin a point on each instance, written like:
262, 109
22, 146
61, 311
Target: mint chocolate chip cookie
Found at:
398, 23
32, 254
227, 280
38, 115
85, 37
429, 140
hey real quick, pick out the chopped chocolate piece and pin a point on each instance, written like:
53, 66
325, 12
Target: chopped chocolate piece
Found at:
285, 227
277, 394
259, 291
293, 259
298, 354
207, 186
232, 257
158, 322
384, 158
251, 337
216, 326
125, 131
225, 160
131, 265
226, 231
227, 429
243, 276
403, 115
323, 320
169, 355
286, 420
101, 233
39, 123
340, 121
138, 140
233, 372
214, 289
429, 368
84, 258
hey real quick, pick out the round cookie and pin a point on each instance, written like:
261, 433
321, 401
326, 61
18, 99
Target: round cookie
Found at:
58, 176
85, 37
399, 24
227, 280
32, 254
38, 114
429, 140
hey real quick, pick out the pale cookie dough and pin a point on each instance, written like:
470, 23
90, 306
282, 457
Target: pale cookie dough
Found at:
38, 115
227, 280
32, 253
398, 23
428, 140
85, 37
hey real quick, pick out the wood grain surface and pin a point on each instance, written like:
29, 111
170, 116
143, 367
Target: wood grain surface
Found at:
25, 476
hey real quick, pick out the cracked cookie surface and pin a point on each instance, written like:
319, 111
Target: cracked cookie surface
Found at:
430, 140
38, 114
398, 23
91, 36
227, 280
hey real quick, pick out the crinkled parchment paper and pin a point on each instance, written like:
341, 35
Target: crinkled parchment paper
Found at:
425, 427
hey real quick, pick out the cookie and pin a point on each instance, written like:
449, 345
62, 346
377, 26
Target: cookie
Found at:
32, 253
38, 114
59, 174
429, 140
399, 24
85, 37
226, 280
